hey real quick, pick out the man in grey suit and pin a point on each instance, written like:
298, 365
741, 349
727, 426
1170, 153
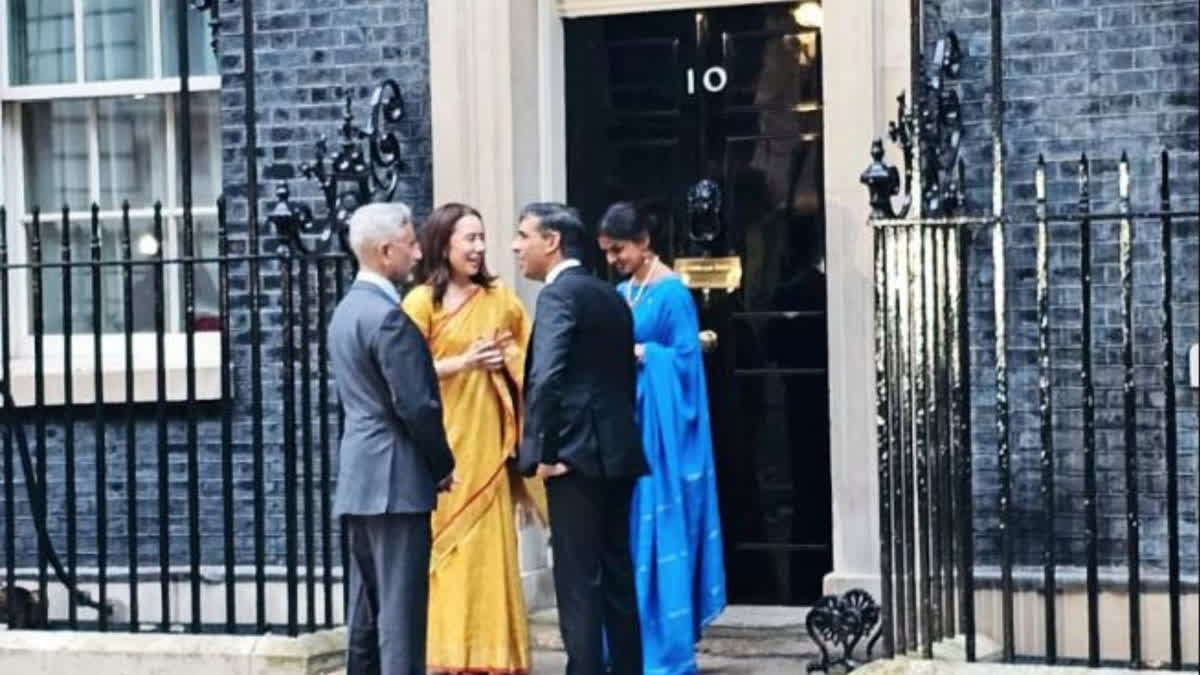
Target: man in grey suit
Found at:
394, 458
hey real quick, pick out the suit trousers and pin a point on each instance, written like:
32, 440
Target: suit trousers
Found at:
593, 573
389, 593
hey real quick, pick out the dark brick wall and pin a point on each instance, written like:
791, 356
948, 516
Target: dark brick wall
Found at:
116, 494
310, 55
1080, 76
1101, 77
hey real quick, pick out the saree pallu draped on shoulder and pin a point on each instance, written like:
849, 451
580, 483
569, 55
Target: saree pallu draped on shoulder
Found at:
676, 529
477, 614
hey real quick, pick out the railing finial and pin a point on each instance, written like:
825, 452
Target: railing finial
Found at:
882, 182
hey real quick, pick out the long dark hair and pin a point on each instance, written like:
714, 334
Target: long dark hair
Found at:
434, 268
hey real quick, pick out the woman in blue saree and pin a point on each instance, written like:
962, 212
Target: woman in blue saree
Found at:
675, 529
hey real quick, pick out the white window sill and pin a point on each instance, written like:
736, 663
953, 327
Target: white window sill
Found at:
208, 374
106, 88
1194, 366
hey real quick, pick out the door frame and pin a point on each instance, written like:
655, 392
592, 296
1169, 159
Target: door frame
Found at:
510, 54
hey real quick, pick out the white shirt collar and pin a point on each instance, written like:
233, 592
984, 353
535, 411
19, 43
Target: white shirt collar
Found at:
369, 277
561, 267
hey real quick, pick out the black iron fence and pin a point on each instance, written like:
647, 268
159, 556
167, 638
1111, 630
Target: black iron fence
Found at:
166, 381
952, 305
924, 395
168, 429
126, 435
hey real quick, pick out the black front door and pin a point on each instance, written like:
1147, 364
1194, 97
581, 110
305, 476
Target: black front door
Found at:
657, 102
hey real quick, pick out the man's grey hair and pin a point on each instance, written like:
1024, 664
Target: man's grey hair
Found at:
372, 223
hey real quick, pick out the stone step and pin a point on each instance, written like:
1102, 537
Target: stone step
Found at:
555, 663
744, 640
741, 632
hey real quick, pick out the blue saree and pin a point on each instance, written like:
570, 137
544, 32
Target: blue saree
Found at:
675, 529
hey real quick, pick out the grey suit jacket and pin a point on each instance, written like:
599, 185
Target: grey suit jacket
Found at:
393, 451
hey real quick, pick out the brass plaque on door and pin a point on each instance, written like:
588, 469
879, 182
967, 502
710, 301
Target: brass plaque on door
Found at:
723, 274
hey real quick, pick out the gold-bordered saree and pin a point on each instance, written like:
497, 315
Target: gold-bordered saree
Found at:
477, 615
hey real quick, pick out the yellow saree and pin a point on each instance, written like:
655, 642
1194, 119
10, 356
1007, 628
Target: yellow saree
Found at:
477, 614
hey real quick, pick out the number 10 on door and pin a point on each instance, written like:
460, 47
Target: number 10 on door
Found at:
714, 80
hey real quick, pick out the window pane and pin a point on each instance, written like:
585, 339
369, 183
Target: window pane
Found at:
201, 60
41, 36
144, 247
116, 34
56, 154
132, 151
52, 278
112, 303
206, 149
207, 281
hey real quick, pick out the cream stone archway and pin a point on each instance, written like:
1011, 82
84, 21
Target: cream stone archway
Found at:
499, 141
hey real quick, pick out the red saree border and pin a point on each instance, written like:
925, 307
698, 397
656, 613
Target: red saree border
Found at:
470, 501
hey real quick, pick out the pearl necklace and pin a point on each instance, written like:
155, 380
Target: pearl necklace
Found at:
632, 299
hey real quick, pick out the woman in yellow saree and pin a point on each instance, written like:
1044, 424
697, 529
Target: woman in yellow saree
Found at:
477, 331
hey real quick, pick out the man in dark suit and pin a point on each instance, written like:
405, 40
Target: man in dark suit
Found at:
582, 438
393, 457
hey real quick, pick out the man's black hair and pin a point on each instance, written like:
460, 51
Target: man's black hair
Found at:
563, 219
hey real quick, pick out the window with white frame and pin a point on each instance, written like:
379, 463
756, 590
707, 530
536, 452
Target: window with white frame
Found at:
90, 106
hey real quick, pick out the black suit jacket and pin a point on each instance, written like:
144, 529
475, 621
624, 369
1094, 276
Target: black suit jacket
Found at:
581, 381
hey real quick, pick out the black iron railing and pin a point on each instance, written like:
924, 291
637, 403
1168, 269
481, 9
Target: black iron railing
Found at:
211, 433
931, 259
179, 452
923, 400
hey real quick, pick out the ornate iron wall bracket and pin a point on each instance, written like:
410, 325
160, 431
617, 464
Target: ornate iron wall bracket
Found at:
840, 623
351, 177
933, 125
941, 132
209, 6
